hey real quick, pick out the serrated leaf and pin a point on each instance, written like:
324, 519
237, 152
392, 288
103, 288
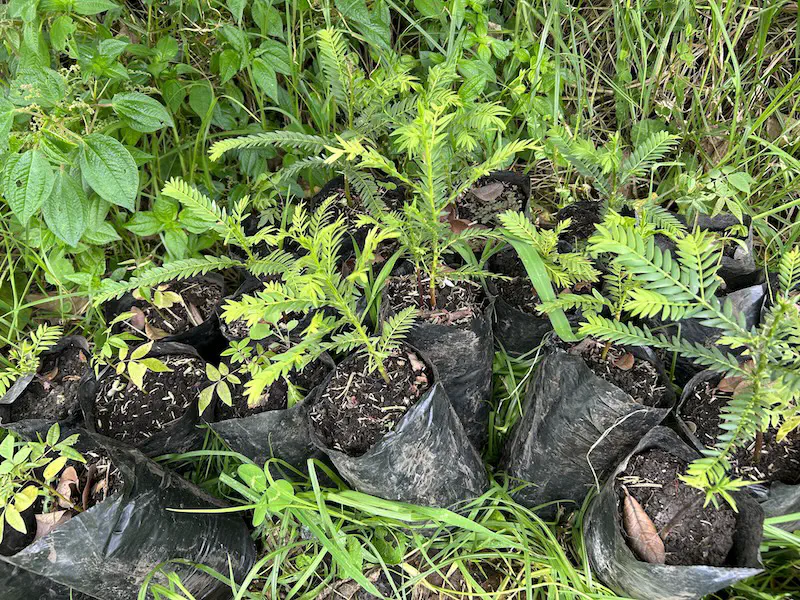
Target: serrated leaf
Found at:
265, 78
140, 112
27, 182
64, 210
92, 7
110, 169
229, 62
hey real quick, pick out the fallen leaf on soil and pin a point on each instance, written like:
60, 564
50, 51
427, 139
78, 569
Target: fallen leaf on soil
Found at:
584, 345
194, 314
68, 480
154, 333
47, 522
582, 286
642, 534
51, 375
416, 363
732, 385
459, 225
81, 357
624, 362
137, 320
487, 193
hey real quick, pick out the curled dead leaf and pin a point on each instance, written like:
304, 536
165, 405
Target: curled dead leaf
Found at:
154, 333
68, 484
45, 523
488, 193
732, 385
625, 362
416, 363
642, 535
137, 319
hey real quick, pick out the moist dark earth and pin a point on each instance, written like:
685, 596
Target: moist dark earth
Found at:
126, 413
700, 536
641, 380
357, 408
457, 302
275, 396
199, 299
779, 461
584, 214
53, 393
487, 199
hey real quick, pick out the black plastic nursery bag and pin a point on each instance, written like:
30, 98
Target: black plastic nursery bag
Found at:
108, 551
574, 430
616, 566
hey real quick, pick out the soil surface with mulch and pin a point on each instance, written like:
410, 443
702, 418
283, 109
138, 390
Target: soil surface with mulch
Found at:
638, 377
358, 408
584, 215
486, 199
457, 302
199, 298
126, 413
698, 536
275, 397
53, 393
778, 461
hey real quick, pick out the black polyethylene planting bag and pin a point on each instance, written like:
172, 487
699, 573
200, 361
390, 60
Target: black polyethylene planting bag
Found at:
614, 563
463, 359
777, 499
427, 459
206, 338
107, 551
181, 435
574, 430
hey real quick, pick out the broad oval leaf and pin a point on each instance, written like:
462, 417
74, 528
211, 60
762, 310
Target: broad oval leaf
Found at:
14, 519
27, 181
54, 468
110, 169
64, 209
140, 112
254, 477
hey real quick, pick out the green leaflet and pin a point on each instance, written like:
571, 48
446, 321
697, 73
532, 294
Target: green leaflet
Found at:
64, 209
140, 112
110, 169
27, 182
541, 283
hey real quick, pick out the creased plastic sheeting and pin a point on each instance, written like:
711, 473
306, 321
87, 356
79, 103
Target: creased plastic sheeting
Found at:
778, 499
463, 357
107, 551
181, 435
615, 564
427, 459
282, 434
574, 430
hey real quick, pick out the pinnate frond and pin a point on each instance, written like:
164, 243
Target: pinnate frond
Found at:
268, 139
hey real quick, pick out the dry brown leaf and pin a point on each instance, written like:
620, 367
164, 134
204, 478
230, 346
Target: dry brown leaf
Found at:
625, 362
487, 193
194, 314
154, 333
51, 375
47, 522
66, 483
730, 384
137, 320
416, 363
642, 534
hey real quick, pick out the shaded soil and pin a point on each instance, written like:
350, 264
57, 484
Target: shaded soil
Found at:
585, 214
275, 397
199, 298
639, 378
126, 413
487, 199
698, 536
53, 393
457, 302
779, 461
358, 408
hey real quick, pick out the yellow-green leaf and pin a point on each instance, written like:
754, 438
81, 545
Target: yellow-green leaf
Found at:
54, 468
14, 519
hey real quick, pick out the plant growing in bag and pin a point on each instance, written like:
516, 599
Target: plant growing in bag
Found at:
36, 487
24, 359
682, 287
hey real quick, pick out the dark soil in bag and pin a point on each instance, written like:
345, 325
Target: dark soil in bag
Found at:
777, 467
491, 195
51, 395
517, 326
581, 415
583, 215
400, 441
272, 429
456, 337
127, 530
192, 320
704, 549
162, 418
